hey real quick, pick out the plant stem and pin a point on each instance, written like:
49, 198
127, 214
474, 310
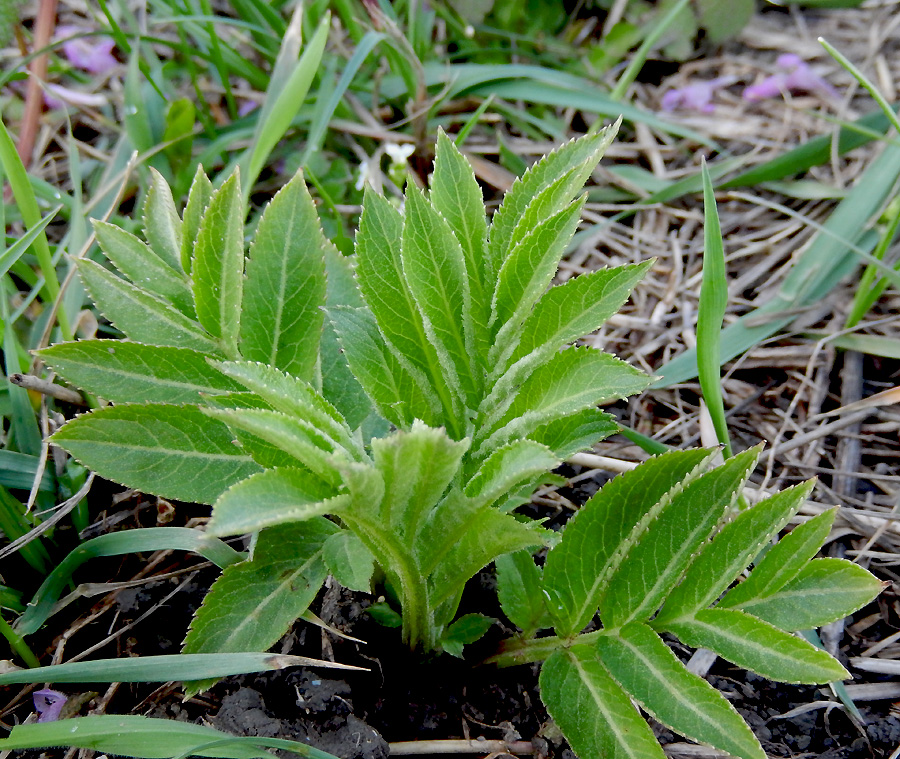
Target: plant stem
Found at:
18, 645
517, 651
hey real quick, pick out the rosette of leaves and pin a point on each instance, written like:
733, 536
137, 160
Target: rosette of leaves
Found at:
453, 333
655, 551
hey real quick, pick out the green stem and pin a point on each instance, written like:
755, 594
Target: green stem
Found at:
18, 645
518, 651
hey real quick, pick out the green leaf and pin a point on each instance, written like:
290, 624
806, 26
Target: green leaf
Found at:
140, 315
394, 392
582, 155
572, 310
200, 194
131, 735
456, 195
593, 712
159, 669
573, 380
254, 603
465, 630
648, 670
520, 591
348, 559
416, 466
671, 540
126, 372
292, 396
529, 268
435, 271
218, 267
143, 267
783, 562
575, 432
508, 467
44, 604
272, 497
162, 227
383, 283
732, 549
281, 323
758, 646
304, 441
824, 591
722, 20
488, 534
172, 451
596, 539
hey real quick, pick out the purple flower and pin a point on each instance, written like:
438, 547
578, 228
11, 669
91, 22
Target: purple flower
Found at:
48, 704
86, 53
796, 76
695, 97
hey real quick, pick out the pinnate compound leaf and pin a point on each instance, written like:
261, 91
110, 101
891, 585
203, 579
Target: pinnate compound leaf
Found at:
200, 194
574, 309
218, 268
732, 549
783, 562
381, 279
529, 268
671, 540
162, 227
596, 539
339, 385
583, 154
254, 603
509, 466
142, 266
573, 380
289, 395
281, 323
488, 534
648, 670
312, 448
435, 272
457, 197
520, 591
348, 559
416, 467
173, 451
465, 630
394, 392
273, 497
824, 591
124, 372
142, 316
758, 646
575, 432
592, 710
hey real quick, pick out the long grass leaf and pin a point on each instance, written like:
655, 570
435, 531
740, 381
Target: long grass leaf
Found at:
160, 669
711, 311
116, 544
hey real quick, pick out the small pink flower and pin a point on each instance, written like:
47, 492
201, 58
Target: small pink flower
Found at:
48, 704
796, 76
87, 53
695, 97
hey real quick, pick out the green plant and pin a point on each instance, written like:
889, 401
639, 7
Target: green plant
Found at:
453, 329
240, 397
652, 550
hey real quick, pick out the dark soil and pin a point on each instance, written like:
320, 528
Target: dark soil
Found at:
405, 697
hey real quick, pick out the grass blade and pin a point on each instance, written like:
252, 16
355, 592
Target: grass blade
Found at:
116, 544
711, 311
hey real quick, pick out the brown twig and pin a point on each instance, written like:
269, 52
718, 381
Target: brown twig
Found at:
34, 96
45, 387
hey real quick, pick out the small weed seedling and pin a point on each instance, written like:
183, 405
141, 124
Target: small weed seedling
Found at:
403, 429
